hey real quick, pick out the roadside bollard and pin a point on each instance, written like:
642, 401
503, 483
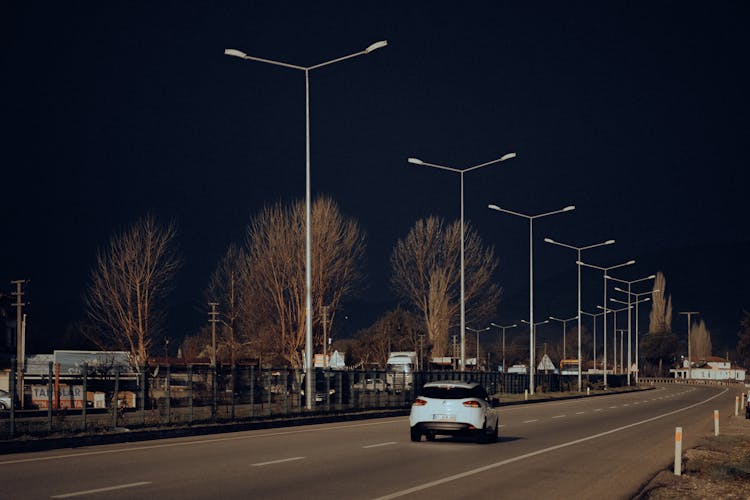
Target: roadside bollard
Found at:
588, 391
716, 422
526, 394
736, 406
678, 451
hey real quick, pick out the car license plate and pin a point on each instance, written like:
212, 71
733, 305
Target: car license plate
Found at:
439, 416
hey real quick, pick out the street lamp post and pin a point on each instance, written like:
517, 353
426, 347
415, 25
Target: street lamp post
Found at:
308, 252
689, 315
631, 305
478, 331
565, 323
593, 316
629, 283
579, 249
417, 161
605, 270
637, 329
531, 219
614, 335
532, 356
503, 328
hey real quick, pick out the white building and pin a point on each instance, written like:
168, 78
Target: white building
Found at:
711, 368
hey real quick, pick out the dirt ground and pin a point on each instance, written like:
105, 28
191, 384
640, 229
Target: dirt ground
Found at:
718, 468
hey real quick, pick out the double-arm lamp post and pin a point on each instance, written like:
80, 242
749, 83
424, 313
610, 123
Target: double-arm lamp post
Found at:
606, 270
614, 335
637, 326
565, 324
689, 315
593, 317
629, 283
417, 161
477, 331
308, 258
532, 355
531, 219
578, 265
632, 304
503, 328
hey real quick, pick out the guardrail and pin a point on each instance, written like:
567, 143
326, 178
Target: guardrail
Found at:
672, 380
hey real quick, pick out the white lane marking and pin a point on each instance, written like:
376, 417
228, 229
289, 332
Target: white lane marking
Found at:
627, 404
529, 421
485, 468
580, 412
598, 409
194, 442
280, 461
501, 425
379, 444
559, 416
612, 407
100, 490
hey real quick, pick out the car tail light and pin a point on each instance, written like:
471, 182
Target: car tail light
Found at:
472, 404
419, 402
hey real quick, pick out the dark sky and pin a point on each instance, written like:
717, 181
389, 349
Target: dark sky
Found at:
636, 112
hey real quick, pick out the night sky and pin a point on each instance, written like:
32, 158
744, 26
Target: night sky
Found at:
636, 112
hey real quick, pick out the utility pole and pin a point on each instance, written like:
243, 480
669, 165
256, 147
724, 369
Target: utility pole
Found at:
20, 338
213, 313
689, 315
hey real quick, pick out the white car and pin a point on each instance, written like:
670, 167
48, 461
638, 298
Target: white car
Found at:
455, 408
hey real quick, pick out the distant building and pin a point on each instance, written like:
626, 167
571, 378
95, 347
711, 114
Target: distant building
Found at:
711, 368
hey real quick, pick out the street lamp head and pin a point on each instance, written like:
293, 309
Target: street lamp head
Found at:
415, 161
569, 208
508, 156
549, 240
651, 277
630, 262
235, 53
376, 46
494, 207
609, 242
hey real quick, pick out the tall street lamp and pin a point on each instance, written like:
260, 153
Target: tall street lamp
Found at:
532, 356
614, 332
308, 257
634, 304
689, 315
637, 328
629, 283
593, 317
503, 328
417, 161
579, 250
565, 323
531, 219
478, 331
606, 269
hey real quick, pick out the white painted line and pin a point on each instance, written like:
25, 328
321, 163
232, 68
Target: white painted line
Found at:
281, 461
529, 421
100, 490
198, 442
580, 412
598, 409
612, 407
379, 444
501, 425
626, 404
559, 416
448, 479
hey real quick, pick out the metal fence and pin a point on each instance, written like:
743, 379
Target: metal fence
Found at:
102, 400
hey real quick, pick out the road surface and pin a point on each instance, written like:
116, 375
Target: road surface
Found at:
597, 447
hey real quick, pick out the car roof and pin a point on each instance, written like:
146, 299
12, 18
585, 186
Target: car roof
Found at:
452, 383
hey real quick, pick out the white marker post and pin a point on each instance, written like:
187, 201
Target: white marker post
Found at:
678, 451
736, 406
716, 422
526, 394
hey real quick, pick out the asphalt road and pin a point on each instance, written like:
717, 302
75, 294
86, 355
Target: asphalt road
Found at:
597, 447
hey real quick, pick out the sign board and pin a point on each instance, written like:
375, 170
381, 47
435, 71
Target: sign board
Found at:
71, 396
546, 364
99, 362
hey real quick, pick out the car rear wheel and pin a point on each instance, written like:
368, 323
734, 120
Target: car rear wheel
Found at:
416, 434
430, 435
2, 406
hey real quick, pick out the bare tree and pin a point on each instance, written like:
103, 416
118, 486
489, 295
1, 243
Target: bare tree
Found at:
700, 340
275, 279
426, 272
660, 318
396, 330
131, 276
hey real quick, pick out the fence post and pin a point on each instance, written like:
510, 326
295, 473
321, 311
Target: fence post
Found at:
716, 422
234, 378
13, 395
115, 398
190, 392
168, 388
252, 390
213, 392
49, 397
142, 395
85, 368
736, 406
678, 451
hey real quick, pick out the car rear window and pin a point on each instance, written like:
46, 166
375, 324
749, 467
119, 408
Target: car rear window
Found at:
450, 392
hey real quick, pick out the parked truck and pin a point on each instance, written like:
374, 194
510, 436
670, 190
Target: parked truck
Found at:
401, 366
